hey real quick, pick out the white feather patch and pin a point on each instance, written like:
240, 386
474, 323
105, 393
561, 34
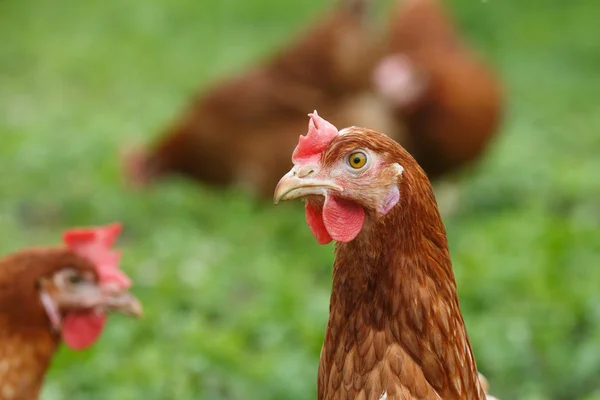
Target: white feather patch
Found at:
346, 130
399, 169
51, 310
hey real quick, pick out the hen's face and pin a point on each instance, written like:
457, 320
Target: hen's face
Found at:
349, 169
75, 288
85, 285
350, 178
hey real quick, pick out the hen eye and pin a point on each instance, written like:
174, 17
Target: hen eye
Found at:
357, 159
75, 279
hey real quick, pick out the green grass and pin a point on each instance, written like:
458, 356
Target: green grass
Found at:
236, 292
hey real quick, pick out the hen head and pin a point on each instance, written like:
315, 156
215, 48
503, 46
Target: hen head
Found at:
348, 178
74, 286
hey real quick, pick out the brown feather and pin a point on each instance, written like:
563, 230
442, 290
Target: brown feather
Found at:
395, 325
27, 342
454, 120
239, 132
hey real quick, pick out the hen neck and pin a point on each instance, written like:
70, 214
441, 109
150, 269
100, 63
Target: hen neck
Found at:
395, 329
24, 359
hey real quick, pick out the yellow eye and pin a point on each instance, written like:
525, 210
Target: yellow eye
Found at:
357, 159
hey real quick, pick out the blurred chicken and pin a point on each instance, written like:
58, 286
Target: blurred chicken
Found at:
395, 329
53, 294
449, 100
424, 88
239, 131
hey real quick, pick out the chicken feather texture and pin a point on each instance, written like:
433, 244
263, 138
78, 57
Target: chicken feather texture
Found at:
55, 294
418, 81
395, 329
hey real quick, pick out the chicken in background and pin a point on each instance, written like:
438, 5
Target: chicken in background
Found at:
450, 101
420, 84
54, 294
239, 131
395, 329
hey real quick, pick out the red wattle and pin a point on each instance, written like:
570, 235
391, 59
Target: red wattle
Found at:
342, 218
81, 330
314, 218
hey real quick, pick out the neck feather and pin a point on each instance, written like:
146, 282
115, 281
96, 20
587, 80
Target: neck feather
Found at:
24, 360
394, 313
27, 342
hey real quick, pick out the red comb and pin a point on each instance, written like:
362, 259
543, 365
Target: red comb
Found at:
95, 245
320, 134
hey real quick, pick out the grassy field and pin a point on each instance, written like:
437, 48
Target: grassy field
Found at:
236, 292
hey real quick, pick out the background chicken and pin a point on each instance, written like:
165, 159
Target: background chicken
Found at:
431, 94
395, 329
449, 99
49, 294
232, 134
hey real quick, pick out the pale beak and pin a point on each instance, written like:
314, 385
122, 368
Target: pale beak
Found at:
103, 298
300, 183
123, 302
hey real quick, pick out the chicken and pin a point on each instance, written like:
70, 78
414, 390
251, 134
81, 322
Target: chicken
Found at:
395, 329
430, 93
233, 134
54, 294
450, 101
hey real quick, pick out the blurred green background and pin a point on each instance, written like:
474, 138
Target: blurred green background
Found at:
236, 292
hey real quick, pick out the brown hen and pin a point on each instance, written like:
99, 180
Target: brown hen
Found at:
422, 86
450, 101
239, 132
395, 329
49, 295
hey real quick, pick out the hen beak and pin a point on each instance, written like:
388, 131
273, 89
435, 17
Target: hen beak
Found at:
299, 182
121, 301
102, 298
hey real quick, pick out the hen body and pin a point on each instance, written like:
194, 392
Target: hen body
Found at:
238, 132
395, 329
442, 104
27, 342
56, 294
